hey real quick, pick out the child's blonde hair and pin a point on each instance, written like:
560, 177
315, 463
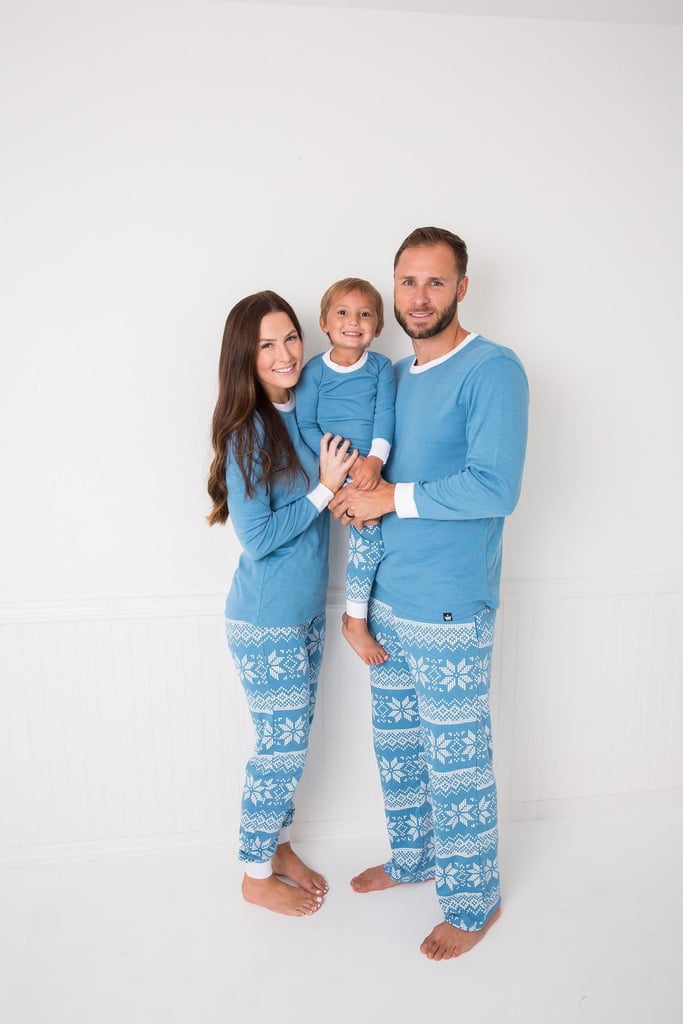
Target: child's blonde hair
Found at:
353, 284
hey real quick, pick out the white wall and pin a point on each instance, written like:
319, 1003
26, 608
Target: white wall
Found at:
159, 162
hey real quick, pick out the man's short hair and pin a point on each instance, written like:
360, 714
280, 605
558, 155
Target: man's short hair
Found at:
433, 236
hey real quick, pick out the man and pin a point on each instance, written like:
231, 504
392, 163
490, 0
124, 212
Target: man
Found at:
454, 473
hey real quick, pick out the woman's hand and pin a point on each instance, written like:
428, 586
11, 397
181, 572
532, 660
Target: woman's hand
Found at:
335, 461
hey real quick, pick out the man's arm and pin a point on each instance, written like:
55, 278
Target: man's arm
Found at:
490, 482
496, 436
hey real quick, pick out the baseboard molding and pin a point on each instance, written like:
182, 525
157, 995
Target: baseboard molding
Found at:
309, 831
200, 605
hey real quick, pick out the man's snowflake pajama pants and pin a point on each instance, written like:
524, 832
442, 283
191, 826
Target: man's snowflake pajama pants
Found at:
432, 735
279, 669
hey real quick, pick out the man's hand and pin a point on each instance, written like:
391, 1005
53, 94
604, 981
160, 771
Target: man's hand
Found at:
366, 472
352, 505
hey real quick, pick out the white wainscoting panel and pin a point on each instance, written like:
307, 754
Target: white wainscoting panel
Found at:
123, 721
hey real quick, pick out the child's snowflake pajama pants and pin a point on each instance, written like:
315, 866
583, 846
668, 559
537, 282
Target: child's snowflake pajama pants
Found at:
365, 553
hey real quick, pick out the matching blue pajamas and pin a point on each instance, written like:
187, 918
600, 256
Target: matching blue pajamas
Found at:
275, 624
356, 402
457, 462
461, 423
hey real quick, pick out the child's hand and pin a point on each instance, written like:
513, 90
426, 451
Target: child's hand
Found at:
366, 472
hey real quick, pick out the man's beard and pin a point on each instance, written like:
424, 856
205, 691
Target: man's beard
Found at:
420, 333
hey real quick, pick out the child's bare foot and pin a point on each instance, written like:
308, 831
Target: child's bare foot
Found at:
372, 880
356, 632
446, 941
288, 863
275, 895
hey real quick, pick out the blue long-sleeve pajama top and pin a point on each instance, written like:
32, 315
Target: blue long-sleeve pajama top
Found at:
281, 577
353, 401
458, 455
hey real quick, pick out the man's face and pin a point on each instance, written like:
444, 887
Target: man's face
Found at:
427, 290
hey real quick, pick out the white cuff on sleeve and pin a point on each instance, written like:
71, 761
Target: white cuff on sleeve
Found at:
357, 609
380, 448
320, 496
404, 501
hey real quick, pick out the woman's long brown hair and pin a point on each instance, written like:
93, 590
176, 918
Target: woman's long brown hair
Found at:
244, 416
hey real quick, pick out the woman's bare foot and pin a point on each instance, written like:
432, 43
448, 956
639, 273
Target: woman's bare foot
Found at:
275, 895
372, 880
446, 941
288, 863
356, 632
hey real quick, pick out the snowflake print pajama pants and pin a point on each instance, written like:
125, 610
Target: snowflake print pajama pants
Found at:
279, 669
365, 553
432, 735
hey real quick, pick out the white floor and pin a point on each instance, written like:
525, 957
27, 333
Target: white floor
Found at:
591, 931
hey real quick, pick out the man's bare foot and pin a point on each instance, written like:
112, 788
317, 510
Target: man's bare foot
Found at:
288, 863
372, 880
446, 941
356, 632
275, 895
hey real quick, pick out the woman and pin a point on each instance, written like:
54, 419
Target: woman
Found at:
275, 612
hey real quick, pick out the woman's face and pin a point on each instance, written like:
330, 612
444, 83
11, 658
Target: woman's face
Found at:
279, 356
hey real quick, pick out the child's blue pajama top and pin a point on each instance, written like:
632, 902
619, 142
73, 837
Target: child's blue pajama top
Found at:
457, 459
281, 578
356, 402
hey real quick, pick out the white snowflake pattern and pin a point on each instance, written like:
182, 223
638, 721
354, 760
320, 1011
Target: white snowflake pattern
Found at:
405, 708
445, 876
484, 873
315, 640
301, 659
419, 669
457, 675
256, 847
357, 549
292, 732
438, 748
469, 744
414, 827
391, 771
258, 790
275, 668
290, 785
481, 669
266, 738
461, 814
429, 850
381, 640
485, 809
245, 668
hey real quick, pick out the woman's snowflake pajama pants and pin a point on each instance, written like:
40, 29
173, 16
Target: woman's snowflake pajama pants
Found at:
279, 669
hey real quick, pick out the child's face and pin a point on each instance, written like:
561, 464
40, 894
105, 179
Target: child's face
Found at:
351, 323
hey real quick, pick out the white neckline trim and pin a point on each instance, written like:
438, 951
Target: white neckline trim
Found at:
286, 406
345, 369
442, 359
